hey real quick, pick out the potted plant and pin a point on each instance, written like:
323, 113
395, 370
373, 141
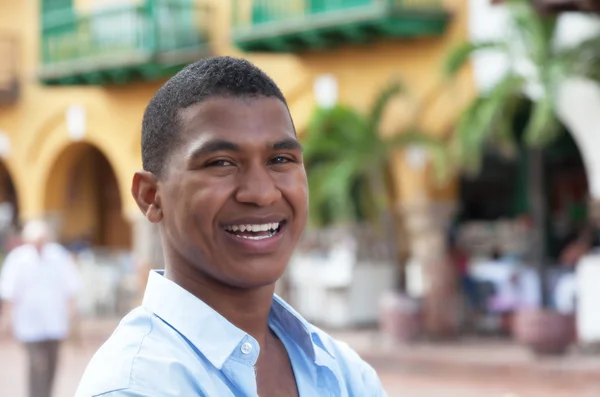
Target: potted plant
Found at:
348, 161
536, 68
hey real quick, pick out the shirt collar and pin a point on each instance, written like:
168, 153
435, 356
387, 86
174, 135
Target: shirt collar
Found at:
213, 334
207, 330
306, 335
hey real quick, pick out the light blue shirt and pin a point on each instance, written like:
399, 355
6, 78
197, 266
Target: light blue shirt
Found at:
176, 345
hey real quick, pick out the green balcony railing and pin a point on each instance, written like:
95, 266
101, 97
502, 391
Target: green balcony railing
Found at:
277, 25
118, 43
255, 12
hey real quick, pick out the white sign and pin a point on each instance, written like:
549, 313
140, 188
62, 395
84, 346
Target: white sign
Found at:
326, 91
76, 122
4, 145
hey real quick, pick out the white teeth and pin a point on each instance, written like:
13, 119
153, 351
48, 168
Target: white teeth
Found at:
254, 228
254, 237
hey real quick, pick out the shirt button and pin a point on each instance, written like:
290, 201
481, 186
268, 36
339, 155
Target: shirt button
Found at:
246, 348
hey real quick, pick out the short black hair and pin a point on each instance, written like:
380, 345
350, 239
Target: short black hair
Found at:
211, 77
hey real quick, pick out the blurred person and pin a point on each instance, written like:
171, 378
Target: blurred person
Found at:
564, 287
468, 286
224, 179
38, 284
575, 249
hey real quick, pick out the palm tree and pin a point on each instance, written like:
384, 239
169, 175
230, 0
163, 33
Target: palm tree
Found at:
348, 161
536, 69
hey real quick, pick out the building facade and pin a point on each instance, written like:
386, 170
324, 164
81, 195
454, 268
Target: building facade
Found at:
80, 72
76, 75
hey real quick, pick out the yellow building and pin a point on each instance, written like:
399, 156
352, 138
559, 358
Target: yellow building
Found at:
76, 75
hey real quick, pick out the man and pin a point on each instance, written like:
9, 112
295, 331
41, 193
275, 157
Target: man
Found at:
38, 285
224, 179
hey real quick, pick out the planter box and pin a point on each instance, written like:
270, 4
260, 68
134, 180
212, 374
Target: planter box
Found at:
545, 332
338, 292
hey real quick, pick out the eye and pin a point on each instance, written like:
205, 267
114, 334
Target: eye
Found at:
281, 160
220, 163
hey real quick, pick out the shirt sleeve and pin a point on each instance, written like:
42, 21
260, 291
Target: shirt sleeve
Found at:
73, 279
8, 278
373, 386
71, 274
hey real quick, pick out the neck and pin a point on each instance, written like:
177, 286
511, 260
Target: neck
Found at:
38, 246
247, 309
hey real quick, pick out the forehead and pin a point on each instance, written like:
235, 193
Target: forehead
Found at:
240, 120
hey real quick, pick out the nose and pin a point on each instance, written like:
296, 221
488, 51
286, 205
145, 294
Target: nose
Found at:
257, 187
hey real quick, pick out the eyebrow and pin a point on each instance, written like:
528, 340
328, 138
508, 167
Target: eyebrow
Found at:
217, 145
221, 145
288, 144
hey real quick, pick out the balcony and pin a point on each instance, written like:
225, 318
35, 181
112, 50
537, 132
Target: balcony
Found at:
124, 43
300, 25
9, 78
558, 6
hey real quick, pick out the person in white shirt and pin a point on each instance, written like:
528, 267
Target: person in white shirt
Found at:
38, 284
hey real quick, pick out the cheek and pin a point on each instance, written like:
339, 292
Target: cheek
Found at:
186, 206
206, 201
296, 191
177, 210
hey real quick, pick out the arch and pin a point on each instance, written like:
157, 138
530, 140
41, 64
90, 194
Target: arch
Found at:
578, 102
38, 141
496, 203
113, 134
9, 208
83, 197
58, 145
9, 198
577, 99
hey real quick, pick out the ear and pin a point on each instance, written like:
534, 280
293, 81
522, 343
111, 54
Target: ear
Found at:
144, 189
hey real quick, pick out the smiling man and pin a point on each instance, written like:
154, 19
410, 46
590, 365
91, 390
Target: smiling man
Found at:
224, 179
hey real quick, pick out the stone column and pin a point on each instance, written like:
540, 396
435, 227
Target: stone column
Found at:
427, 224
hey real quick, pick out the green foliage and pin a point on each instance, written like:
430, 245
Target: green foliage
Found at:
488, 119
488, 115
461, 54
346, 158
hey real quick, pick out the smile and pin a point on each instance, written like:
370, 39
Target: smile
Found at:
255, 231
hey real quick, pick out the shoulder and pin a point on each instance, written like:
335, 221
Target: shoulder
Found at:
18, 253
358, 376
57, 250
142, 357
14, 258
111, 368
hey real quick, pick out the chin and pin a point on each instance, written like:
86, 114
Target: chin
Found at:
254, 272
258, 281
255, 279
250, 284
